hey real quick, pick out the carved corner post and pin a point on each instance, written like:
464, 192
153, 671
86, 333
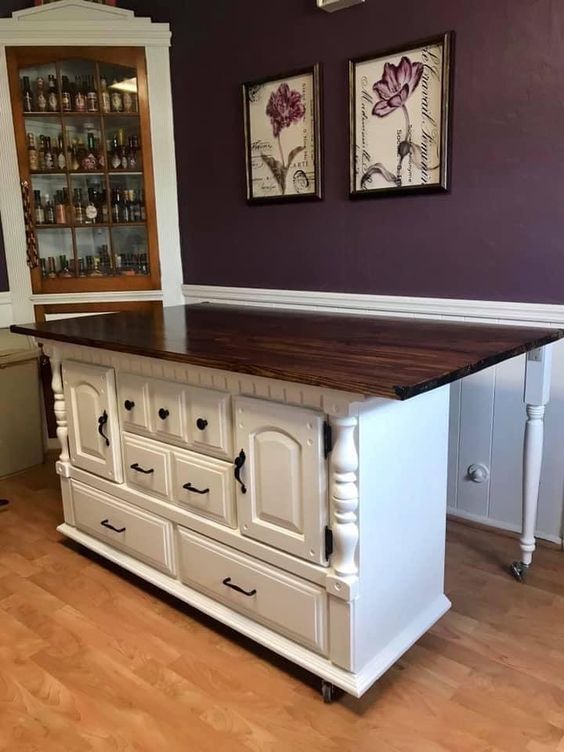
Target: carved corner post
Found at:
344, 496
536, 396
59, 407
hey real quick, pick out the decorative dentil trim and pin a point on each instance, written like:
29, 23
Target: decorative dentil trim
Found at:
515, 313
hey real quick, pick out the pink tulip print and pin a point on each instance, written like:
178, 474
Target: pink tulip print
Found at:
285, 108
391, 98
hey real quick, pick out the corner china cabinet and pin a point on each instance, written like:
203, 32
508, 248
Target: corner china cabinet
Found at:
95, 198
84, 155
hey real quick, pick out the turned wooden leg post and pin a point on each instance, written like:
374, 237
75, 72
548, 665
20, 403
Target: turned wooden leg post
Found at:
536, 396
59, 406
344, 493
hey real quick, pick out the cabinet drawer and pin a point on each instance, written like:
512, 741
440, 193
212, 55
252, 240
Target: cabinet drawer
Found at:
133, 530
209, 421
168, 409
133, 398
146, 465
289, 605
204, 485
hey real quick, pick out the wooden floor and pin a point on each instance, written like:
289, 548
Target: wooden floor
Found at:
93, 659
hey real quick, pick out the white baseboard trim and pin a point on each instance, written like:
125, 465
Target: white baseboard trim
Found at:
497, 525
5, 309
540, 314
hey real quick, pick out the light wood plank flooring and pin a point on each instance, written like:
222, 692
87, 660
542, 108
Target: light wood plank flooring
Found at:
91, 658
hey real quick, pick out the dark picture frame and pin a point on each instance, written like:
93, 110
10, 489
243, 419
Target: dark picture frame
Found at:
400, 104
282, 129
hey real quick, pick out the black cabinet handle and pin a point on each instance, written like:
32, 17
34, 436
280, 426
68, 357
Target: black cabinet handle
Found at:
163, 414
193, 489
102, 422
201, 423
239, 462
106, 523
227, 582
139, 469
129, 405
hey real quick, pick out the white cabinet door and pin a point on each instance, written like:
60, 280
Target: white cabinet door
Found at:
282, 496
90, 395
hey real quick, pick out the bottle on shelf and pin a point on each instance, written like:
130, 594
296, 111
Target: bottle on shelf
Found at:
116, 206
43, 267
105, 95
61, 159
91, 96
49, 211
41, 98
116, 97
64, 267
32, 155
52, 95
79, 96
91, 211
27, 94
115, 155
66, 95
49, 156
142, 211
60, 209
38, 212
77, 207
51, 267
73, 162
41, 153
90, 158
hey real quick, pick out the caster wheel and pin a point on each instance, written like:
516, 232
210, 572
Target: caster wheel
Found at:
519, 570
327, 691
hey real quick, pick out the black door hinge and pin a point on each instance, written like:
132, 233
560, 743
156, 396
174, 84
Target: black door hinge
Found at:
328, 542
327, 439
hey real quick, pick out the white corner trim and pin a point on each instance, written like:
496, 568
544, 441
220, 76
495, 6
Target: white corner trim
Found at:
484, 311
124, 296
5, 309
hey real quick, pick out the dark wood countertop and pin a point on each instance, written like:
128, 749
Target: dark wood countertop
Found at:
395, 358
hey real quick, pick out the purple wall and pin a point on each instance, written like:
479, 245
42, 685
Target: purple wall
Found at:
497, 235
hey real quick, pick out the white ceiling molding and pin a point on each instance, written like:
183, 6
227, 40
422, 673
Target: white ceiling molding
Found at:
332, 5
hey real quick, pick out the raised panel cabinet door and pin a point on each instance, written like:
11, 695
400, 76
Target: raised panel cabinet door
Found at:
90, 394
282, 493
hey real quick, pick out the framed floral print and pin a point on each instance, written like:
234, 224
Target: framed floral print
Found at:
283, 137
400, 119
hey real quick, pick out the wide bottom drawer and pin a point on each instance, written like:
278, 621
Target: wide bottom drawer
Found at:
288, 604
133, 530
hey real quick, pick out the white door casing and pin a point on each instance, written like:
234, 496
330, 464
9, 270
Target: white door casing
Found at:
285, 476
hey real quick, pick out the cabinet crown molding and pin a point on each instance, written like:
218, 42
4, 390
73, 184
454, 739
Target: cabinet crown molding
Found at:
84, 22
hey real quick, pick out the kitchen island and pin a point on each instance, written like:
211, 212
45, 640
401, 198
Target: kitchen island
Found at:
283, 472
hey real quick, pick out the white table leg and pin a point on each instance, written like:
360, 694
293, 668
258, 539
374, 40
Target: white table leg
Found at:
536, 396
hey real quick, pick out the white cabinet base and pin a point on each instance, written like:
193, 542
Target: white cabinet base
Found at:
354, 684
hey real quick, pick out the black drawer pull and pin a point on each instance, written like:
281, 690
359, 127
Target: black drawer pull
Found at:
129, 405
193, 489
163, 414
102, 422
139, 469
239, 462
201, 423
227, 582
106, 523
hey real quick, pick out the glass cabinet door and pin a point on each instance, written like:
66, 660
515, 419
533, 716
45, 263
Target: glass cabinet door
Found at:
84, 149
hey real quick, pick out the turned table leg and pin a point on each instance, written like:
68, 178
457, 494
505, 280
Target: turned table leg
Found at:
536, 396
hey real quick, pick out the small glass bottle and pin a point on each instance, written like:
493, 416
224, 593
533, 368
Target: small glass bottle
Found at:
105, 95
66, 96
52, 95
32, 153
38, 212
116, 98
28, 100
91, 96
41, 98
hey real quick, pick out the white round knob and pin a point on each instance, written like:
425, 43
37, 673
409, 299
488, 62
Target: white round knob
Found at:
478, 473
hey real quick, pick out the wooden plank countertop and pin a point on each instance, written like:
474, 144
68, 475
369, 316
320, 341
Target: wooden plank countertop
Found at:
378, 356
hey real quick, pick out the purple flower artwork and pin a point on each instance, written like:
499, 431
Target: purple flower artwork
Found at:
285, 108
283, 137
399, 104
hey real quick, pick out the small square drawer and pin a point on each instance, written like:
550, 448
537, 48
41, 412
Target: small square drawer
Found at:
209, 421
287, 604
143, 535
146, 465
204, 485
134, 406
168, 410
